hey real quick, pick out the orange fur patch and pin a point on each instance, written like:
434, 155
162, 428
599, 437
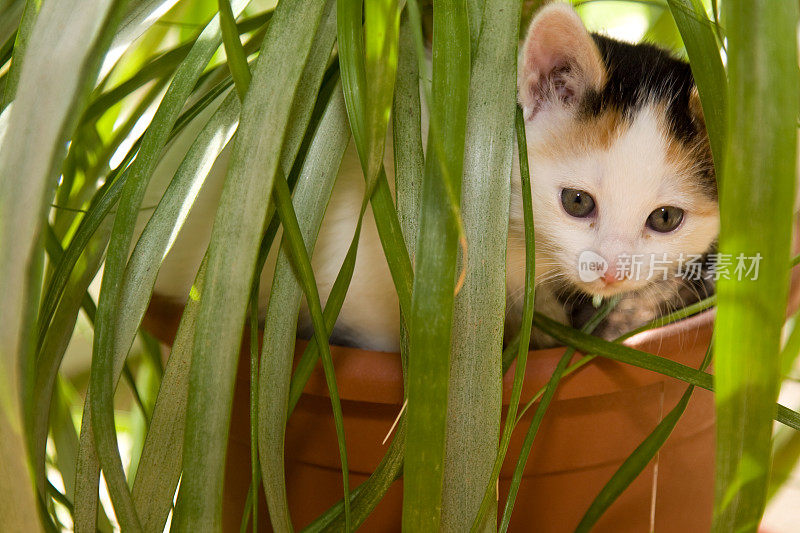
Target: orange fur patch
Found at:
579, 135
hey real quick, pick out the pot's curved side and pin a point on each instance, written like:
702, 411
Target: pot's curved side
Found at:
598, 417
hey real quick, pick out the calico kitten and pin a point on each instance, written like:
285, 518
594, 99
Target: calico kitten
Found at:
622, 177
620, 164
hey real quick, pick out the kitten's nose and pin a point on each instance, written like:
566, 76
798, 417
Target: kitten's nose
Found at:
610, 275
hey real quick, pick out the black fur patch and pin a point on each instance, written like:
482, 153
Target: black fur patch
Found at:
639, 74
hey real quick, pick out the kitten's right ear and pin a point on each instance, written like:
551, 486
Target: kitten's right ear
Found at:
559, 60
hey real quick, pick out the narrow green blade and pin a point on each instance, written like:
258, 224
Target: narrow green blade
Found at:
231, 259
756, 222
434, 280
33, 139
638, 460
700, 38
476, 387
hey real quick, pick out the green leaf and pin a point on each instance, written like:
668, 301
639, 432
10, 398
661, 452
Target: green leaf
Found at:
546, 396
240, 71
168, 218
311, 196
24, 29
381, 34
432, 297
294, 240
755, 218
161, 230
39, 124
489, 502
370, 140
638, 460
357, 91
161, 460
588, 344
231, 259
409, 168
409, 159
700, 38
237, 59
56, 340
108, 355
624, 354
476, 385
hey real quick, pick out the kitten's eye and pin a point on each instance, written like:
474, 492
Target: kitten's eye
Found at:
577, 203
665, 219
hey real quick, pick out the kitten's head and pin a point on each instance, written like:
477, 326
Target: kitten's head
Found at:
620, 163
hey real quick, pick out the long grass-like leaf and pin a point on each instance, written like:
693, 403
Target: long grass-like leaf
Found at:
369, 135
169, 216
432, 299
321, 154
102, 203
56, 340
108, 354
489, 497
240, 71
409, 168
699, 38
662, 365
24, 30
231, 258
143, 266
39, 124
161, 459
759, 183
476, 388
280, 326
409, 159
638, 460
381, 34
546, 397
356, 92
237, 58
302, 263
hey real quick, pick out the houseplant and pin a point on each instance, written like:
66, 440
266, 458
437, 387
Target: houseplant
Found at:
64, 193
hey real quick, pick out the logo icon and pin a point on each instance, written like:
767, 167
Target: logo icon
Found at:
591, 266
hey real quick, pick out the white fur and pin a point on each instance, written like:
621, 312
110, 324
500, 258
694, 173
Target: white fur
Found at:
627, 181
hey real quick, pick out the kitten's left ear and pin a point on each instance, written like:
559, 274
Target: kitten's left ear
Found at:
559, 60
696, 108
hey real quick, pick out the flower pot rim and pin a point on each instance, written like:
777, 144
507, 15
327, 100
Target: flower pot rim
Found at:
376, 377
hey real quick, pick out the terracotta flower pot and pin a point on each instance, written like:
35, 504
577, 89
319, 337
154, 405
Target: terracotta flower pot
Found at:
597, 418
